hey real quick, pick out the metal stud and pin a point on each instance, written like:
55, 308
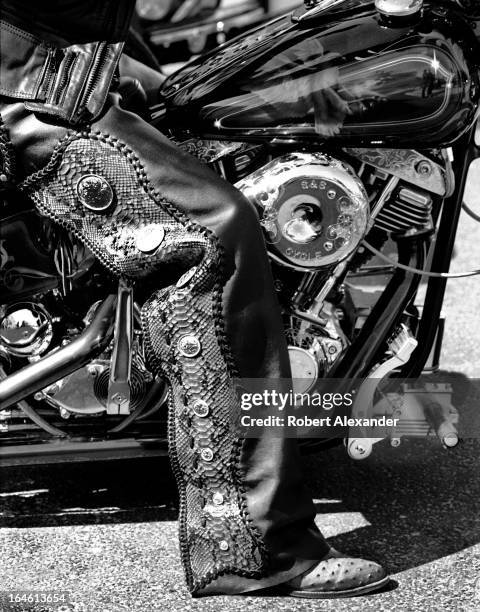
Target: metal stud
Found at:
424, 168
224, 545
95, 193
186, 278
206, 454
189, 346
201, 408
149, 238
218, 499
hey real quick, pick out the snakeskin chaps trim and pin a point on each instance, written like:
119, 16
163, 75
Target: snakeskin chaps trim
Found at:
96, 188
7, 158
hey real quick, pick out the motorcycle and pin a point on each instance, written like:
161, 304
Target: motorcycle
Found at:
351, 127
175, 30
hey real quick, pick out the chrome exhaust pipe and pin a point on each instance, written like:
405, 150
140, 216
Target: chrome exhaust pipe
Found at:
36, 376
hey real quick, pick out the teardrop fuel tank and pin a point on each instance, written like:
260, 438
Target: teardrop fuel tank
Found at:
346, 76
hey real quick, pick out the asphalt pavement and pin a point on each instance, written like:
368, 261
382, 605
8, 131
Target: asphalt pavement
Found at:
106, 533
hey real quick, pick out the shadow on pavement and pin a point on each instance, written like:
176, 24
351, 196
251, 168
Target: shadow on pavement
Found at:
120, 491
420, 502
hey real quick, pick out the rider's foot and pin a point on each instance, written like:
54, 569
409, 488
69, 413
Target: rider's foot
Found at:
337, 576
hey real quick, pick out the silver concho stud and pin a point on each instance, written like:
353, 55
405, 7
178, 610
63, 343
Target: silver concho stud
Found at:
95, 193
224, 545
149, 238
189, 346
186, 278
206, 454
201, 408
218, 499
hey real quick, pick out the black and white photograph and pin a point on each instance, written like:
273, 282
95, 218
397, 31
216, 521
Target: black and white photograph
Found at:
239, 305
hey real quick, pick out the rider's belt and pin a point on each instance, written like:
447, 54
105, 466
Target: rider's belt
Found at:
69, 83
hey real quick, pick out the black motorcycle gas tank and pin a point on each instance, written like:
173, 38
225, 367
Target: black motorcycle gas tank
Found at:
346, 76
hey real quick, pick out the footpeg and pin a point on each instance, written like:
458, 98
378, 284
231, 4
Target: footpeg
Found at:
418, 410
401, 347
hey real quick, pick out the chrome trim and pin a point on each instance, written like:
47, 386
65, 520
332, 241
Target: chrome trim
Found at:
398, 8
408, 165
322, 7
26, 329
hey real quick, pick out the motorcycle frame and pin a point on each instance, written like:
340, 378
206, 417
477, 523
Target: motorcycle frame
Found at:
465, 151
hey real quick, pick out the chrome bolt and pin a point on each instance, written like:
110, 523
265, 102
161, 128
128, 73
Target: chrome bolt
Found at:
424, 168
92, 370
64, 413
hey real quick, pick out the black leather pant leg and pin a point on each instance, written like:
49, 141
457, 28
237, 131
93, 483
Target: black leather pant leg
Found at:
276, 499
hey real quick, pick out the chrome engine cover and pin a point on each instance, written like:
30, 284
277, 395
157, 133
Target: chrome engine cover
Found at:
314, 209
25, 329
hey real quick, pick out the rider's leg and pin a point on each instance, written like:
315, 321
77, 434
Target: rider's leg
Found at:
202, 330
208, 226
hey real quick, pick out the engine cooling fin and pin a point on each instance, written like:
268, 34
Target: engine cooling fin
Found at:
407, 210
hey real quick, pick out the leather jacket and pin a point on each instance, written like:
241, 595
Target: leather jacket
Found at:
69, 53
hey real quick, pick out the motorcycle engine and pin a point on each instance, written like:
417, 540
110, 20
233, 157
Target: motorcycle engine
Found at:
314, 209
49, 281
